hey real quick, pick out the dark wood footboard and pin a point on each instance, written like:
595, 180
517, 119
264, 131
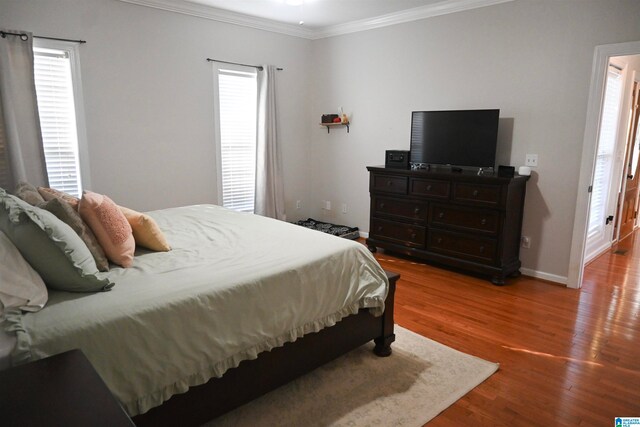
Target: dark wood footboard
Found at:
253, 378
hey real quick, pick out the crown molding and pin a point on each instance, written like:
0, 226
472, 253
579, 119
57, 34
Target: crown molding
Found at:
444, 7
437, 9
220, 15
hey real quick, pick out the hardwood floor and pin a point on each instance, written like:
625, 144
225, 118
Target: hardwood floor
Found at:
567, 357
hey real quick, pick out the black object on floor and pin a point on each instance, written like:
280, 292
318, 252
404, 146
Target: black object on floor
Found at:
333, 229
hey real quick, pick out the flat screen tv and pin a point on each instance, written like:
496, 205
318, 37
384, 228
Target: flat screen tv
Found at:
458, 138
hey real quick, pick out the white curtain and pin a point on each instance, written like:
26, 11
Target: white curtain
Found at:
269, 186
21, 151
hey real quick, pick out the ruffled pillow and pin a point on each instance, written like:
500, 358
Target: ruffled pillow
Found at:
50, 246
21, 286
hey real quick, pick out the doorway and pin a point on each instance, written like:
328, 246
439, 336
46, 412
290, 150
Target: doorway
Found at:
628, 200
614, 187
603, 56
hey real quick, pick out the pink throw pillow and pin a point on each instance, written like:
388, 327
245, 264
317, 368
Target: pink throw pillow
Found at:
110, 226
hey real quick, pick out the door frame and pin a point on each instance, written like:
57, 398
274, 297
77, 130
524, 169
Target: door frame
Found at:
587, 165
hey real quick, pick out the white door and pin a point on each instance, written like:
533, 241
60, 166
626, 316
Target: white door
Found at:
604, 187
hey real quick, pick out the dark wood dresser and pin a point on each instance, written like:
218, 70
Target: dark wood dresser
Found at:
456, 219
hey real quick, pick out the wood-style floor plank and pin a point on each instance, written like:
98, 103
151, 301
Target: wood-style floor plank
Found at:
567, 357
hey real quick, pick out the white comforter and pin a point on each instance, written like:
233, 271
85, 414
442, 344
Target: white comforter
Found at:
234, 285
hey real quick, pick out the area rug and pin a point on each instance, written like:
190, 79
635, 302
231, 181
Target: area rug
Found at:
417, 382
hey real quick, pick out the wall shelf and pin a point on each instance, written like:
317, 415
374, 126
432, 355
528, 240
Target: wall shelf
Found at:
331, 125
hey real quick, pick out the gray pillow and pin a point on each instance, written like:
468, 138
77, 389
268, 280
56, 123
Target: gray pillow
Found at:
69, 216
28, 193
51, 247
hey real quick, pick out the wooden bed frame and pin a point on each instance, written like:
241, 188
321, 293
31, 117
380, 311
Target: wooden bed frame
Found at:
253, 378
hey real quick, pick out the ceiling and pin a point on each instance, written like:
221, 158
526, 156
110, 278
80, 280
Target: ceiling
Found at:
316, 13
321, 18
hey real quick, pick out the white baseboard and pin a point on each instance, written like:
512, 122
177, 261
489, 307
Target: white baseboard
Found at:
545, 276
364, 234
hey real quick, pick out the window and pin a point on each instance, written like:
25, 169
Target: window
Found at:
56, 75
606, 148
236, 100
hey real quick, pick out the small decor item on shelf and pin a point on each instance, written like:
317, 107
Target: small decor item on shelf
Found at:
343, 117
329, 118
337, 120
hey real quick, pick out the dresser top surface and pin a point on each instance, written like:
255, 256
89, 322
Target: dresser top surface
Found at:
447, 173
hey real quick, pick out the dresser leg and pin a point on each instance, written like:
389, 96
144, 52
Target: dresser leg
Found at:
497, 280
372, 248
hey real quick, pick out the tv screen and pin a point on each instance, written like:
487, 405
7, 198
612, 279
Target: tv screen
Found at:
456, 138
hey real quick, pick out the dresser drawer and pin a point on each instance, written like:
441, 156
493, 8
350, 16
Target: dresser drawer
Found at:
432, 188
406, 209
479, 249
389, 184
476, 193
405, 234
476, 220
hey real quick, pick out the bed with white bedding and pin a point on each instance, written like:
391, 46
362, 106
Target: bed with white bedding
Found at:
233, 286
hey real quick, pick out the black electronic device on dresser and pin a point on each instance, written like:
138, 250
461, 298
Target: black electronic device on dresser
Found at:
398, 159
463, 220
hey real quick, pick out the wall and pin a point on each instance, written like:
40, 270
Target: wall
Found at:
531, 59
149, 95
148, 99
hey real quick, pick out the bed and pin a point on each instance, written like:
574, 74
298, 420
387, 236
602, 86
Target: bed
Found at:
239, 306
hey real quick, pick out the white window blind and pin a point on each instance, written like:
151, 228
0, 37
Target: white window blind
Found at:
56, 106
606, 146
238, 110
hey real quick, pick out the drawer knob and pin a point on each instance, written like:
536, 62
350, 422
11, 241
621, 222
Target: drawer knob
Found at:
483, 221
429, 187
389, 183
481, 249
379, 228
441, 215
475, 193
413, 236
439, 240
416, 210
381, 205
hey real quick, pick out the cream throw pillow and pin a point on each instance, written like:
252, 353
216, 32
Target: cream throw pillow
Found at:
146, 231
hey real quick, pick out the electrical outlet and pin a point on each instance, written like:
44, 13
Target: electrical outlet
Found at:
525, 242
531, 160
298, 204
344, 208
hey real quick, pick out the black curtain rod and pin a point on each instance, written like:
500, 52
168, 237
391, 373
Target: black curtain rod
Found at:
259, 67
25, 37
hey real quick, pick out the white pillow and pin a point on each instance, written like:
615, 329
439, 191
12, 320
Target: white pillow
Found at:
20, 286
